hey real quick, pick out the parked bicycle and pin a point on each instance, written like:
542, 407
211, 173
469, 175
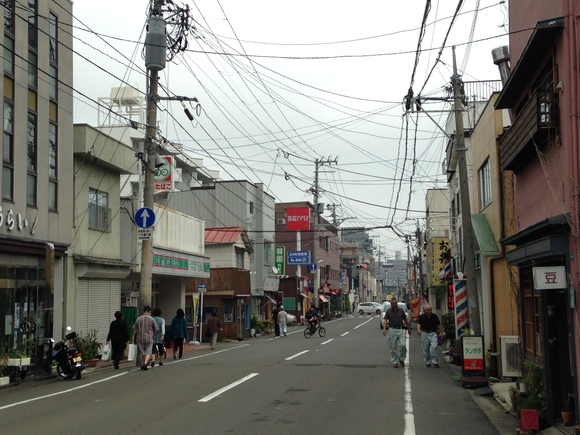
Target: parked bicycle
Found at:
311, 330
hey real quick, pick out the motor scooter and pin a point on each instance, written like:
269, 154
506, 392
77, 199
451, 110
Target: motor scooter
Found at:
69, 359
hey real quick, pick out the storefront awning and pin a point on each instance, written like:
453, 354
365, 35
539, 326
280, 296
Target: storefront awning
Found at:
323, 298
304, 295
270, 299
220, 293
484, 235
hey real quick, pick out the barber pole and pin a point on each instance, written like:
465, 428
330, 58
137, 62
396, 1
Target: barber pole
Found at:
461, 311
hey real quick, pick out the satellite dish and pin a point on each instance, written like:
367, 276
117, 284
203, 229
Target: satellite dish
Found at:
275, 270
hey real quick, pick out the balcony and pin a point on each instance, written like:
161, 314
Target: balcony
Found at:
535, 124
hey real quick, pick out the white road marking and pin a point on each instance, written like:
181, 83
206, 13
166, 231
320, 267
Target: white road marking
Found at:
227, 387
409, 416
327, 341
342, 335
70, 390
364, 323
296, 355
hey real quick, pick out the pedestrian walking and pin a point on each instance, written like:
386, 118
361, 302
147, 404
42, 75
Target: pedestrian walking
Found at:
275, 312
118, 336
213, 326
158, 346
394, 321
144, 330
282, 320
179, 332
429, 328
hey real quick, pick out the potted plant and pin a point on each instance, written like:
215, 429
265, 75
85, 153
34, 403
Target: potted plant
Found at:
20, 355
88, 346
4, 373
257, 325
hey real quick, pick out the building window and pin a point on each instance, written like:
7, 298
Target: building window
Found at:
8, 153
268, 253
32, 69
52, 166
99, 212
229, 314
484, 185
8, 56
239, 259
53, 56
31, 160
9, 16
32, 24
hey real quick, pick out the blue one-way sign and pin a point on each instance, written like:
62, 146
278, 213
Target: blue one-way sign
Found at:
145, 217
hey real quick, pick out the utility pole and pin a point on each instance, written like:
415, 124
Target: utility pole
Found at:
155, 54
468, 236
421, 283
315, 191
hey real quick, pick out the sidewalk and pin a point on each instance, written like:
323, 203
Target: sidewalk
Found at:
498, 407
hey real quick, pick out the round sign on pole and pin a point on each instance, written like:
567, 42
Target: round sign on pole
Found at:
145, 217
313, 267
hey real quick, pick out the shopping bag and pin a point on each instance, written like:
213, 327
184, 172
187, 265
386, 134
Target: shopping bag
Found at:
106, 352
132, 352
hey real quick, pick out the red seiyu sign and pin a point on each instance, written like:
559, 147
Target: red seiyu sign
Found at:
298, 218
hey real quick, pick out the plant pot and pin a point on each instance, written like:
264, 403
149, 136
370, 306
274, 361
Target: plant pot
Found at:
4, 380
567, 416
17, 362
252, 332
523, 387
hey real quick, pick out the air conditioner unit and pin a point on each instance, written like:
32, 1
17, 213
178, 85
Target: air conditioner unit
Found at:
281, 221
510, 355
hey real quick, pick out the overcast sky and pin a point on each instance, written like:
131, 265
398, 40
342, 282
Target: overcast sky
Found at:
282, 84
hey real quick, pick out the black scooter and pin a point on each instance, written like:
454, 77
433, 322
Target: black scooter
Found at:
69, 360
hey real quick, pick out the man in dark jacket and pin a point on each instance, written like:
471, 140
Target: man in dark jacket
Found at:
119, 337
275, 312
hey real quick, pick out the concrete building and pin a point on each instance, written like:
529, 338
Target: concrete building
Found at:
36, 173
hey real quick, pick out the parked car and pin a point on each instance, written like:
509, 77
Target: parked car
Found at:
291, 318
386, 306
369, 308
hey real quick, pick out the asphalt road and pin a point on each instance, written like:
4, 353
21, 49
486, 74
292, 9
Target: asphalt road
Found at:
340, 384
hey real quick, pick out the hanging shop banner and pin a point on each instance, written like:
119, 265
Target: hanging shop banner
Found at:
298, 218
280, 260
546, 278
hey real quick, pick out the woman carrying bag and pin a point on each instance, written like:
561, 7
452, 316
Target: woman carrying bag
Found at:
179, 331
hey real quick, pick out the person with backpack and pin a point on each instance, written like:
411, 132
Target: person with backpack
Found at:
179, 332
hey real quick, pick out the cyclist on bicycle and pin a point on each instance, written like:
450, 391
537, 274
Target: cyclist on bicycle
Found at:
312, 316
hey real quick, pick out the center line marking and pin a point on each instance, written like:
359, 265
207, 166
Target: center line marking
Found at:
227, 387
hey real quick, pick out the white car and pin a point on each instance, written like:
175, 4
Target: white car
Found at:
291, 318
387, 305
369, 308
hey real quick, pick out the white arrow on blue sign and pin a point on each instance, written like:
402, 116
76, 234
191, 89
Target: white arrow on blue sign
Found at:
145, 217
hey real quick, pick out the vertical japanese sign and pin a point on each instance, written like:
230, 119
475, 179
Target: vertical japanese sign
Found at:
461, 309
298, 218
280, 260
